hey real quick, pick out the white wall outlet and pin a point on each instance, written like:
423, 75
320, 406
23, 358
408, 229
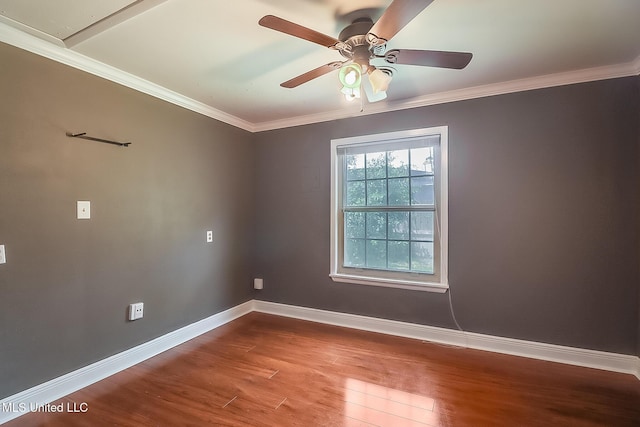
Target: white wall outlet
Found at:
3, 255
209, 236
136, 311
84, 209
258, 284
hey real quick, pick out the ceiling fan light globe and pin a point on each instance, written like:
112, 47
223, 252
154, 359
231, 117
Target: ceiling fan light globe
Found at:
380, 96
350, 76
379, 80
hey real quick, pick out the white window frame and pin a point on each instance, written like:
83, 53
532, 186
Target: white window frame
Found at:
413, 281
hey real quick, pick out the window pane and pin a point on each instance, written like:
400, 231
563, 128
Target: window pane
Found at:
398, 225
422, 161
377, 253
376, 165
355, 166
354, 224
376, 225
399, 255
354, 252
399, 192
398, 163
422, 190
355, 193
377, 192
422, 257
422, 226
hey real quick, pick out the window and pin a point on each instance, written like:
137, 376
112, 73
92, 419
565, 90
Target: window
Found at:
389, 209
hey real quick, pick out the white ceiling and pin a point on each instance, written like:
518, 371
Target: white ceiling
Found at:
213, 52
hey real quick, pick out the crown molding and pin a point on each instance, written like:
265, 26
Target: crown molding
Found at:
47, 49
520, 85
52, 49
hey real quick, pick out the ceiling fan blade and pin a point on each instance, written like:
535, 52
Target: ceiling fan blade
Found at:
398, 14
310, 75
288, 27
429, 58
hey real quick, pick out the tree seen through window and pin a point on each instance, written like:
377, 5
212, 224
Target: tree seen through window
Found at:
389, 210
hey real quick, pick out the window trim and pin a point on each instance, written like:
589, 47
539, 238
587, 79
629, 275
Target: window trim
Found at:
440, 286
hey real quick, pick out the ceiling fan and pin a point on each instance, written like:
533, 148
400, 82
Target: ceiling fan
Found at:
363, 41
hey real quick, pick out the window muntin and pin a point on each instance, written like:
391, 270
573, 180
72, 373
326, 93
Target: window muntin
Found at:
388, 207
388, 199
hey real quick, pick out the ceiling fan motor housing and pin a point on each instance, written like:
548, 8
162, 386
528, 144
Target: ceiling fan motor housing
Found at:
354, 42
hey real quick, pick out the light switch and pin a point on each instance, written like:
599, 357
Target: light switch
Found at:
84, 209
3, 255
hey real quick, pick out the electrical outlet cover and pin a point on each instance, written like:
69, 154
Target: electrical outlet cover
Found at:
136, 311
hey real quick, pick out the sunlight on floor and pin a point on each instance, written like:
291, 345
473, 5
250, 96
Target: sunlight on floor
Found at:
371, 404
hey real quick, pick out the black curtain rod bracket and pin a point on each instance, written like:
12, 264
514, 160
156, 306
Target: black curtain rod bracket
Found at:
84, 135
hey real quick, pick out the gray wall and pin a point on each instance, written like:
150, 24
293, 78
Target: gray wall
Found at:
67, 283
543, 216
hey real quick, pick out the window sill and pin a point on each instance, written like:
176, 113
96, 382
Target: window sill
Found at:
390, 283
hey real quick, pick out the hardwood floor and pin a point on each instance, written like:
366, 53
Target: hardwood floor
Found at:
263, 370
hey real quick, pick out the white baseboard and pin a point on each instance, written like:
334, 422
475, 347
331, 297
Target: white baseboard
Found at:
10, 407
18, 404
554, 353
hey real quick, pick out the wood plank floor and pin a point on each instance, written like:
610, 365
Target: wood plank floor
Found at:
263, 370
